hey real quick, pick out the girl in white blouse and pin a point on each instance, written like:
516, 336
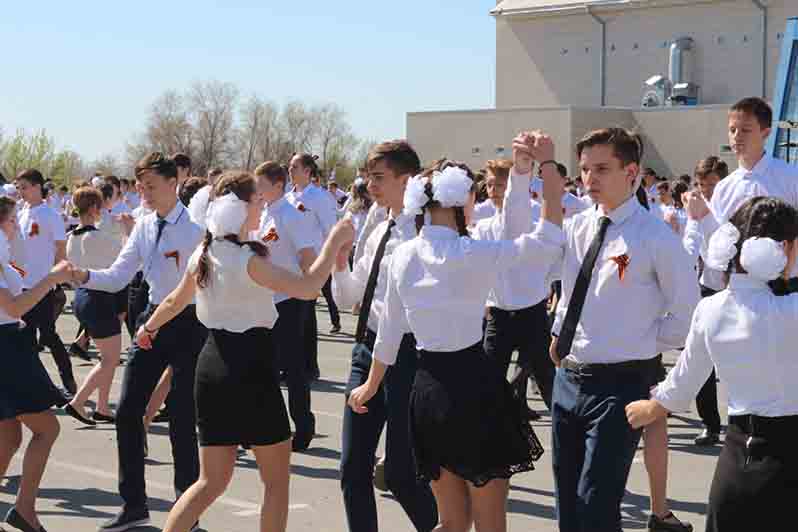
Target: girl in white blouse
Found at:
749, 334
237, 392
467, 431
89, 247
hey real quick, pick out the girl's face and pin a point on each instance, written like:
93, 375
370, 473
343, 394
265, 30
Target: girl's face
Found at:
9, 225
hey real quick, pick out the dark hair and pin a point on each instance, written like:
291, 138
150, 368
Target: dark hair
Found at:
650, 171
686, 179
63, 188
309, 161
158, 163
85, 198
191, 187
642, 197
459, 213
756, 107
361, 200
273, 171
627, 146
107, 191
34, 177
763, 217
6, 208
562, 170
113, 180
678, 189
182, 160
242, 184
398, 155
711, 165
663, 185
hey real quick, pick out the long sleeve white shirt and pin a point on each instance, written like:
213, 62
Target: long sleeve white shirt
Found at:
318, 203
163, 266
645, 313
749, 335
520, 286
438, 283
697, 247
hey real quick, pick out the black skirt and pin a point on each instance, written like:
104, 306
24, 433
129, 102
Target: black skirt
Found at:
755, 486
464, 418
237, 390
98, 312
25, 386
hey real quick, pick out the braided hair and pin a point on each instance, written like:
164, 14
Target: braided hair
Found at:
242, 184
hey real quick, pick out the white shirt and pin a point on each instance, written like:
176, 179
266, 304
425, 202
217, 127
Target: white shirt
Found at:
375, 215
141, 211
438, 283
41, 227
348, 287
359, 223
286, 232
132, 200
647, 312
11, 281
749, 335
232, 301
520, 286
697, 246
483, 210
163, 266
570, 204
198, 206
318, 203
92, 249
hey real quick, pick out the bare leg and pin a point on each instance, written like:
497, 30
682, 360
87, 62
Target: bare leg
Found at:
216, 470
45, 428
101, 376
454, 503
274, 464
655, 456
489, 505
10, 440
158, 397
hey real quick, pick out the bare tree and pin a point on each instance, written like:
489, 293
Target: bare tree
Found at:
212, 109
258, 132
168, 127
334, 135
300, 126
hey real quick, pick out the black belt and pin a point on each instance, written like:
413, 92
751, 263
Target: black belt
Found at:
618, 367
765, 426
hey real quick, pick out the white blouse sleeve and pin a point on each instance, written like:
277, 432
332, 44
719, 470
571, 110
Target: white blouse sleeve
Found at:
393, 323
690, 373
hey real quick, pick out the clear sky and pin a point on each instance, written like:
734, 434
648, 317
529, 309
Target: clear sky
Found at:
87, 71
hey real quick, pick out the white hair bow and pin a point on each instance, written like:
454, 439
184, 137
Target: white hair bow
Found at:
763, 258
226, 215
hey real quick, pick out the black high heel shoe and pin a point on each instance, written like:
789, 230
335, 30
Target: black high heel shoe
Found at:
69, 409
14, 519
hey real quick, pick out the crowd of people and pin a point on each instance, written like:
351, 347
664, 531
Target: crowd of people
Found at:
450, 271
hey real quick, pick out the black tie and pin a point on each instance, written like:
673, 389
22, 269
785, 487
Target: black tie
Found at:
371, 284
161, 225
577, 300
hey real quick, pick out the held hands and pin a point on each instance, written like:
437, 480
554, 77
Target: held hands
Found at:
696, 206
144, 339
642, 413
359, 397
128, 222
522, 157
62, 273
79, 277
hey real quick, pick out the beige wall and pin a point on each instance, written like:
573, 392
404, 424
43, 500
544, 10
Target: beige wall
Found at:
675, 138
555, 60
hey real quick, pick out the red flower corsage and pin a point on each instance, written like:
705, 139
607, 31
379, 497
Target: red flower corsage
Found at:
271, 236
534, 195
34, 229
173, 255
623, 262
20, 271
301, 207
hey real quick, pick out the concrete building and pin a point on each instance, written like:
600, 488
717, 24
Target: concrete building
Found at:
569, 66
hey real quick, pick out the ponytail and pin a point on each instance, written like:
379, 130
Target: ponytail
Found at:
204, 264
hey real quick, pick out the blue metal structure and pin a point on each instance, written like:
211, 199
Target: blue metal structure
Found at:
783, 142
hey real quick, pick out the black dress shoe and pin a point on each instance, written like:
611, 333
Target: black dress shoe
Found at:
76, 351
335, 329
707, 438
670, 523
99, 417
14, 519
126, 520
69, 409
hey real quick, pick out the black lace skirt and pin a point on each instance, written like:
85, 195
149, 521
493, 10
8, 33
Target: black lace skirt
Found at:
463, 418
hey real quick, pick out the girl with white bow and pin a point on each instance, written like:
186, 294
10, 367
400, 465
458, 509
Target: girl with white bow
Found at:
749, 334
26, 391
237, 393
467, 431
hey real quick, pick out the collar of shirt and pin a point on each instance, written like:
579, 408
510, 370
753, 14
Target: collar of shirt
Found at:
174, 214
760, 168
621, 213
743, 281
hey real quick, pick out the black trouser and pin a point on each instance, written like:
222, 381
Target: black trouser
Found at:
178, 344
707, 399
526, 330
311, 339
289, 332
42, 317
138, 297
361, 435
326, 291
